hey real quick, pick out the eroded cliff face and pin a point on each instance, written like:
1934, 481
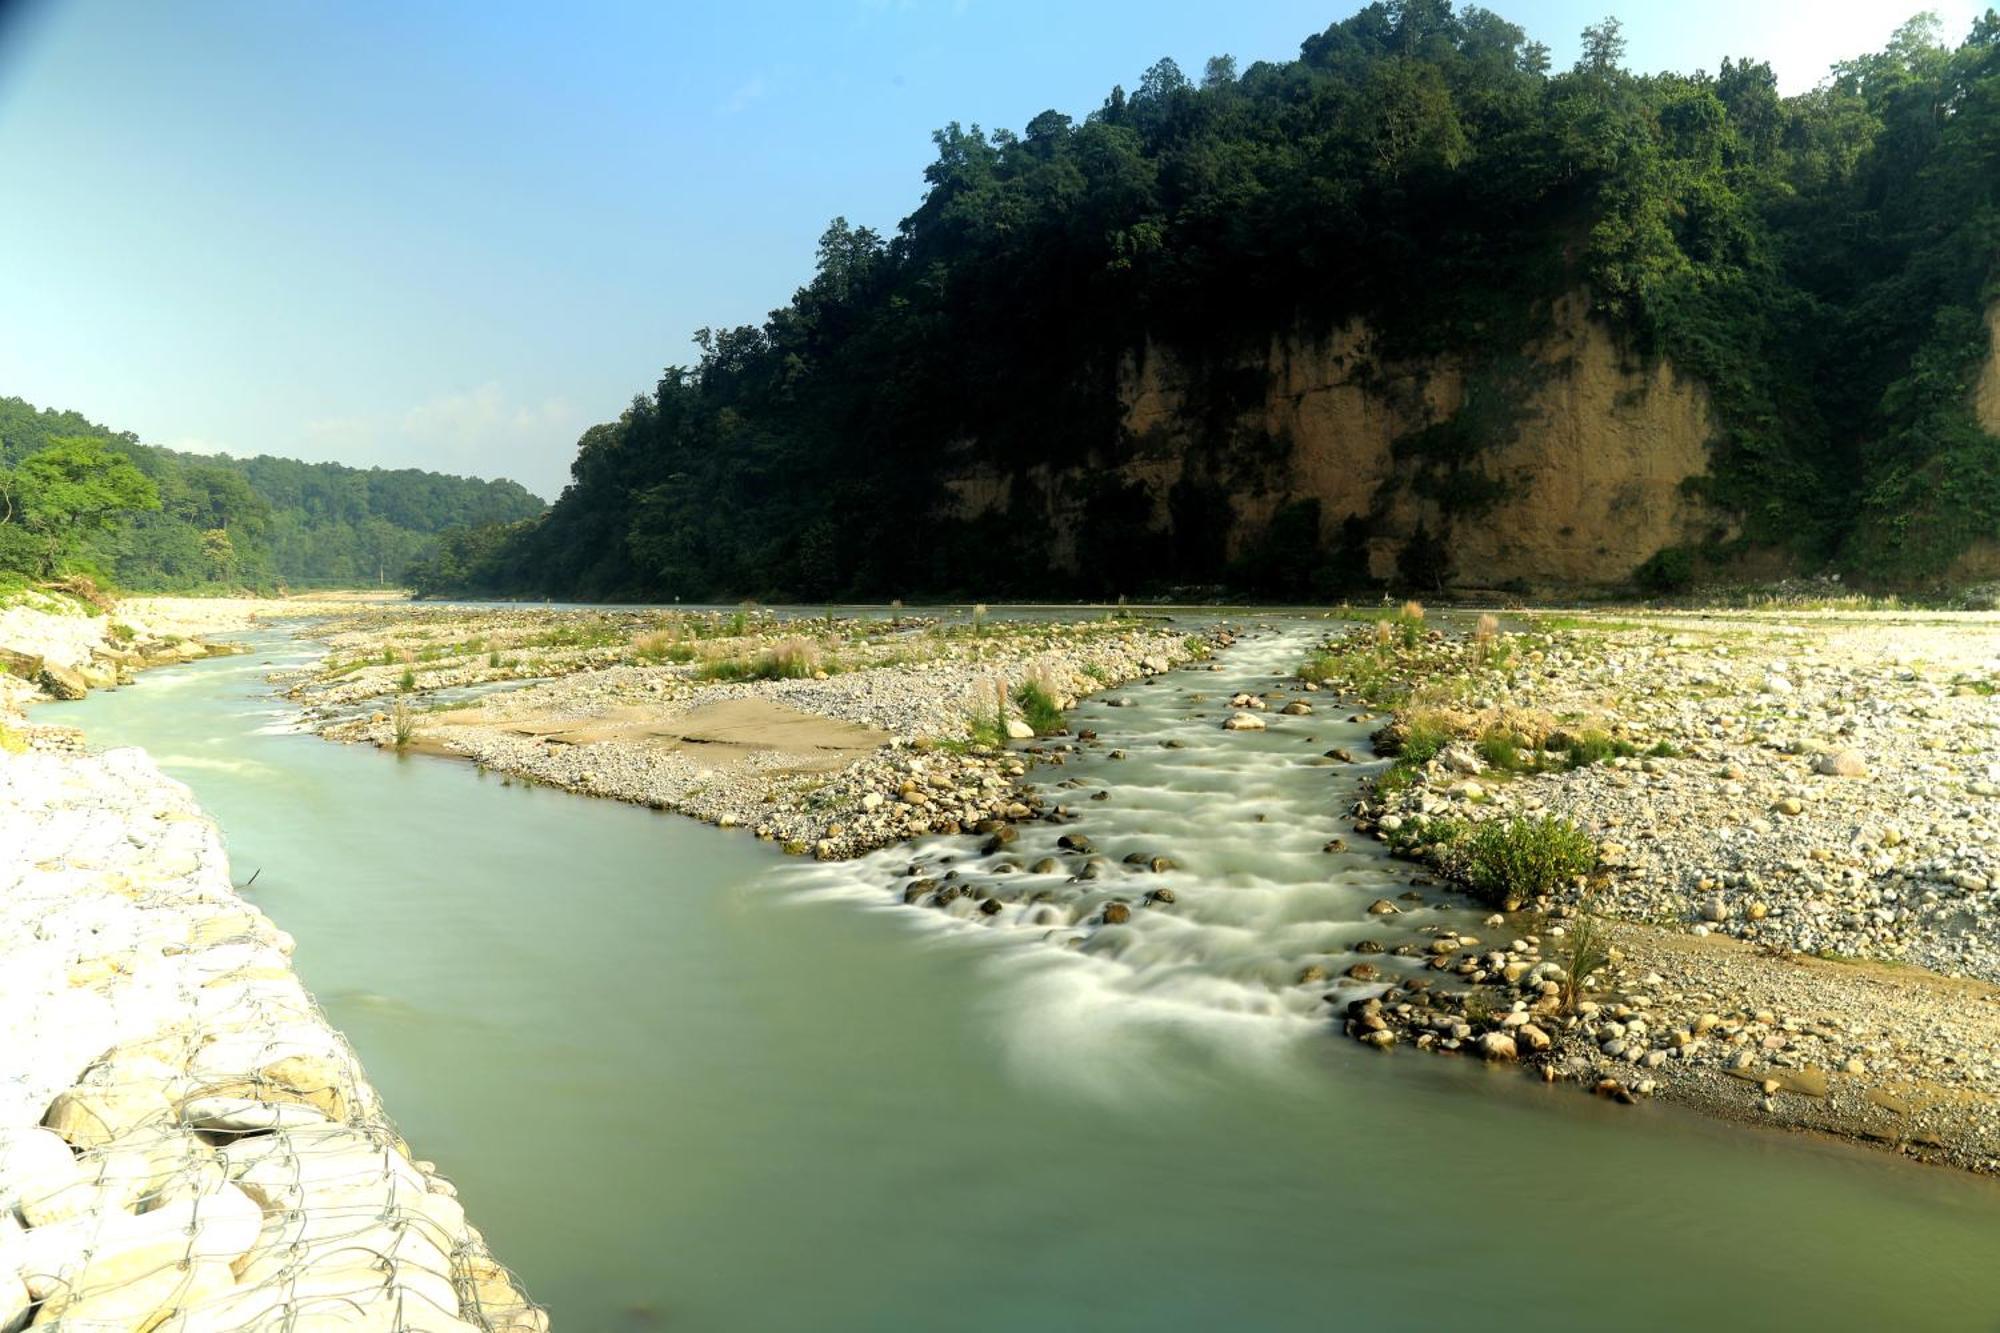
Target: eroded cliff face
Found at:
1986, 393
1576, 479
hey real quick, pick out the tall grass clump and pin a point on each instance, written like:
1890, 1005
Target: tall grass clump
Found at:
1507, 862
403, 725
408, 682
979, 619
1585, 948
665, 645
986, 719
1038, 706
1484, 634
1411, 620
788, 659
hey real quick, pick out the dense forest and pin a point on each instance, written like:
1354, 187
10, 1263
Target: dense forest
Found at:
1822, 262
78, 498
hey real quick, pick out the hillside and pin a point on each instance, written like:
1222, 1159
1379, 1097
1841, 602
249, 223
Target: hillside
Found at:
1411, 309
255, 522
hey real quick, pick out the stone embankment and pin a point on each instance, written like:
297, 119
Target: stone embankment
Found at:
185, 1143
1796, 822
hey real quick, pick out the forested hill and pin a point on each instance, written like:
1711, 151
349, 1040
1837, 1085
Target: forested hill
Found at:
79, 496
1415, 307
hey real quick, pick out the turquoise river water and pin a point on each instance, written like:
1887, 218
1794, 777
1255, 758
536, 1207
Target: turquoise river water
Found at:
684, 1082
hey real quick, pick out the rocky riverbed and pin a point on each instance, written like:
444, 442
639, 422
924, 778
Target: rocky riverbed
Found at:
833, 736
1795, 860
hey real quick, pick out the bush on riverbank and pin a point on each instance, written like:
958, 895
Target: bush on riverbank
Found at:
1508, 862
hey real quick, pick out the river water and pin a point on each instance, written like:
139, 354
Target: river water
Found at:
684, 1082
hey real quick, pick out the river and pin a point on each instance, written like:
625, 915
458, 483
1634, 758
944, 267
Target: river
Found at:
685, 1082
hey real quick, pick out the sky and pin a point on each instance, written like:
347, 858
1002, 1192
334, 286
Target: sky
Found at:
412, 233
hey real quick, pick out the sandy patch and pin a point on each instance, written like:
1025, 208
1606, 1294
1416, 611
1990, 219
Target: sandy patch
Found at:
727, 733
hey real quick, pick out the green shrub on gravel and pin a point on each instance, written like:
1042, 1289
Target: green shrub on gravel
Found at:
1508, 862
1594, 747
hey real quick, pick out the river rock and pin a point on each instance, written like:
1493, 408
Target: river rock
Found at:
88, 1117
1243, 722
1843, 764
62, 682
1496, 1046
1116, 914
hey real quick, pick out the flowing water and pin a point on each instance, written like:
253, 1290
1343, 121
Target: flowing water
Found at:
686, 1083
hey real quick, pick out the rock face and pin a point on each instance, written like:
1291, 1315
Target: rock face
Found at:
1583, 485
1986, 392
185, 1144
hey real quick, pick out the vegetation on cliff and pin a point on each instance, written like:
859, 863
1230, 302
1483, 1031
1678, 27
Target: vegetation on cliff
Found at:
76, 497
1819, 261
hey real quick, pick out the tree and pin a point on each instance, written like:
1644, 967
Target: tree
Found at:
1603, 49
65, 493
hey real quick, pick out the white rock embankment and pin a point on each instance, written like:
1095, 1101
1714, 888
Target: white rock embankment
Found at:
185, 1143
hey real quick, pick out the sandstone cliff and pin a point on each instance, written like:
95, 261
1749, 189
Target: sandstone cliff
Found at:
1986, 392
1573, 480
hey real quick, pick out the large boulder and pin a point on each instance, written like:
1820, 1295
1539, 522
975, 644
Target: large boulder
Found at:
27, 666
89, 1117
63, 682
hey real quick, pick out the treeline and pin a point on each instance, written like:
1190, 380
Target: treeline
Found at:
77, 497
1822, 261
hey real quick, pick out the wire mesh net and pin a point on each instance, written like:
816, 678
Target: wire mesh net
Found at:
186, 1144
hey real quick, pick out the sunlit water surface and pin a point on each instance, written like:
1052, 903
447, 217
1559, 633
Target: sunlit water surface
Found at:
685, 1083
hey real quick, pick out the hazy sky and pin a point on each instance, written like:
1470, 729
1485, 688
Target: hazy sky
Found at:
453, 236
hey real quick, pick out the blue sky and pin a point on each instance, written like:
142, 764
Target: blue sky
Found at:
452, 236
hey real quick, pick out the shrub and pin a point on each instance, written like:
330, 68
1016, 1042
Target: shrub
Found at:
408, 681
1426, 738
1501, 749
1594, 747
1668, 570
1507, 862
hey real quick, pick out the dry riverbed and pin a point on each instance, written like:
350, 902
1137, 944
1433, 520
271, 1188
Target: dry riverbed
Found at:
1795, 828
829, 736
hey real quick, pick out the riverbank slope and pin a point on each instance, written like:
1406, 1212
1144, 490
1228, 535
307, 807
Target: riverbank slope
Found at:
185, 1142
